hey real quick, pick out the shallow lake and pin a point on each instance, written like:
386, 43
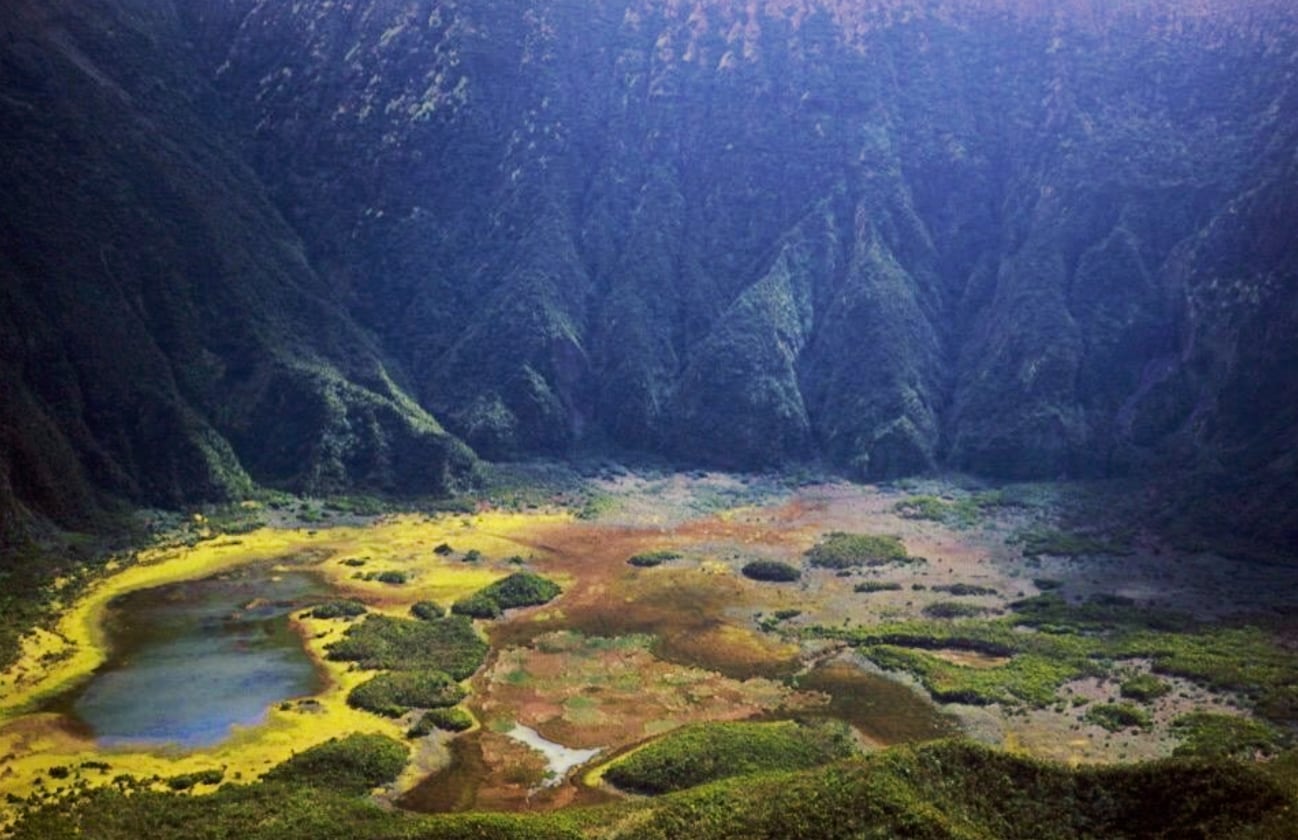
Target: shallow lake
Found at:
192, 660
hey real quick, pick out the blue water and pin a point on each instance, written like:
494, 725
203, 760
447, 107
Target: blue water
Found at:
192, 660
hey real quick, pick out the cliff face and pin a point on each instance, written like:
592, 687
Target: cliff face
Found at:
742, 234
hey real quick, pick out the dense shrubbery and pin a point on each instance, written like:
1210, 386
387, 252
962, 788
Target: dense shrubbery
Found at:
1143, 687
844, 551
382, 642
477, 605
338, 609
453, 719
394, 693
868, 586
961, 589
427, 611
521, 589
202, 777
352, 765
772, 571
952, 609
707, 752
937, 791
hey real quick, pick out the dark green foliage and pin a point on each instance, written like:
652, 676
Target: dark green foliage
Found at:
844, 551
772, 571
202, 777
472, 556
963, 589
1143, 687
338, 609
426, 611
1213, 735
443, 549
394, 693
382, 642
1117, 716
522, 589
393, 577
868, 586
786, 614
951, 790
1047, 584
477, 605
703, 753
453, 719
649, 559
352, 765
952, 609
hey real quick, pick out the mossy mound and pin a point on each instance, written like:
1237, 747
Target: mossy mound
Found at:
384, 643
839, 550
708, 752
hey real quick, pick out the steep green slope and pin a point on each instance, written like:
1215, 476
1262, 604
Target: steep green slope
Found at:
892, 236
166, 341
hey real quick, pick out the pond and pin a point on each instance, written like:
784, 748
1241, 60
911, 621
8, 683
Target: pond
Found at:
192, 660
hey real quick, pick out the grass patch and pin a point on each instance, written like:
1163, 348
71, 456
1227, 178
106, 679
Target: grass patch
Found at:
964, 512
771, 571
1209, 734
706, 752
1144, 688
1051, 642
1052, 541
839, 550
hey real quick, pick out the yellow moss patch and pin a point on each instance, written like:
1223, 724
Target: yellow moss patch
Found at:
51, 662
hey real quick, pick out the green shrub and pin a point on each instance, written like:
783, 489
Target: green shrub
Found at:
522, 589
443, 549
472, 556
1116, 716
393, 577
1143, 687
338, 609
844, 551
477, 605
772, 571
353, 765
868, 586
1047, 584
383, 642
427, 611
706, 752
648, 559
202, 777
952, 609
394, 693
451, 719
963, 589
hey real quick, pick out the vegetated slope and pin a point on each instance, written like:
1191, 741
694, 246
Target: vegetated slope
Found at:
943, 791
893, 235
163, 338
